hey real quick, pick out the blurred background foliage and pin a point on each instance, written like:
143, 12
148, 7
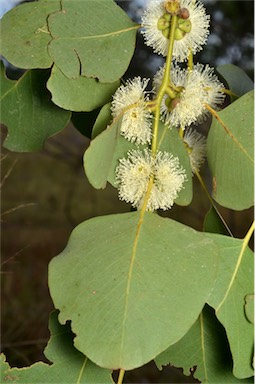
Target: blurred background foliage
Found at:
46, 194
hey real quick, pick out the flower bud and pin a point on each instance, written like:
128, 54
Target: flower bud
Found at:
185, 26
172, 6
183, 13
179, 34
166, 33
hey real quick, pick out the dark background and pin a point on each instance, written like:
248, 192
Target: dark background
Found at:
46, 194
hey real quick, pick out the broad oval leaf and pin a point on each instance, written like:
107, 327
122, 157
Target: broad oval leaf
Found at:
131, 285
79, 94
234, 282
204, 350
92, 38
25, 35
59, 350
230, 154
28, 113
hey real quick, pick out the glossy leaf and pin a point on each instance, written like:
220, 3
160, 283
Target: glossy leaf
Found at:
69, 365
132, 286
28, 113
25, 35
234, 282
79, 94
92, 38
230, 154
238, 81
203, 350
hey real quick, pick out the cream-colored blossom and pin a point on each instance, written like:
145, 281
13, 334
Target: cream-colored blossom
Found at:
196, 147
191, 33
187, 94
134, 173
130, 100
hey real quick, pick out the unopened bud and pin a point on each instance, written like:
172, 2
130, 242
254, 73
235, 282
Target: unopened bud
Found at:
183, 13
185, 26
162, 24
166, 33
179, 34
172, 6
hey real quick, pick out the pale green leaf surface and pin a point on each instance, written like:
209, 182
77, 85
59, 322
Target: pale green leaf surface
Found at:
25, 35
131, 288
249, 308
234, 282
79, 94
69, 365
231, 154
101, 158
28, 113
103, 120
205, 350
238, 81
93, 38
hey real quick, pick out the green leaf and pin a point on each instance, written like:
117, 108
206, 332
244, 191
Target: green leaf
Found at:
132, 285
103, 154
230, 153
213, 223
28, 113
92, 38
204, 350
238, 81
59, 350
103, 120
79, 94
249, 308
25, 35
234, 282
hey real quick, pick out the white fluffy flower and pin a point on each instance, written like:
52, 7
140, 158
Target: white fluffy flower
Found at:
134, 173
188, 94
191, 33
196, 146
130, 99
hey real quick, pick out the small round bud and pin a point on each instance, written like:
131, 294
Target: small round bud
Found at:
162, 24
179, 34
174, 103
183, 13
166, 33
185, 26
172, 6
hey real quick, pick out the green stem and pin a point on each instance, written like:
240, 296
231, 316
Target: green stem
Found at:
164, 85
121, 376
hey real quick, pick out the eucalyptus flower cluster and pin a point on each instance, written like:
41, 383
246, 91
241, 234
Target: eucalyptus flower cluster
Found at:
182, 95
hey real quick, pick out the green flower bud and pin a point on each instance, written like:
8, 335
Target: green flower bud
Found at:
185, 25
162, 24
166, 33
179, 34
